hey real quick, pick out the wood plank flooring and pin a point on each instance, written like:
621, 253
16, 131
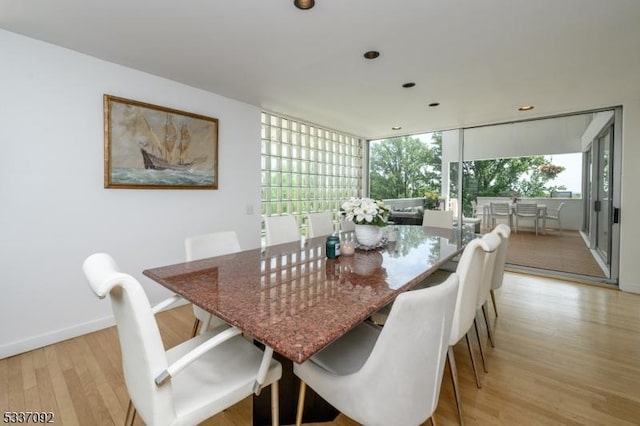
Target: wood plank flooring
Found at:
566, 354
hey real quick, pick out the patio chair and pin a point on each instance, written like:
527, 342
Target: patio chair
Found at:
480, 211
527, 211
554, 214
500, 211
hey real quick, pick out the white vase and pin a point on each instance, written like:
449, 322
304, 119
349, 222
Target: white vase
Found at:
368, 235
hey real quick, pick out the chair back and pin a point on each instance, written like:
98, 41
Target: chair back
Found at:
143, 354
492, 243
210, 245
401, 378
527, 209
347, 226
470, 269
438, 218
320, 224
500, 208
503, 231
555, 213
281, 229
453, 206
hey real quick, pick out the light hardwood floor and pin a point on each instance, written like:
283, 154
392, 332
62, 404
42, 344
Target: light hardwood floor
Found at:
566, 354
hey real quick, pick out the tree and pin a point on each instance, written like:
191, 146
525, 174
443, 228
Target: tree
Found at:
522, 177
404, 167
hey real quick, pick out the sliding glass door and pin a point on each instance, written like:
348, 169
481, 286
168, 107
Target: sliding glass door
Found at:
602, 184
604, 203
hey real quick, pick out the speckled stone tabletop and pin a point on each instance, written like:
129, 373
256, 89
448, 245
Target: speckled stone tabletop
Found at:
295, 300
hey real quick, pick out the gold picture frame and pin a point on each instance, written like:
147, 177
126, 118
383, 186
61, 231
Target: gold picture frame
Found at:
153, 147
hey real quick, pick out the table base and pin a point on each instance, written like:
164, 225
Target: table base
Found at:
316, 409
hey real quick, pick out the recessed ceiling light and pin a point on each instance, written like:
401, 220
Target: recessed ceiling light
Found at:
304, 4
525, 108
396, 128
407, 85
434, 104
372, 54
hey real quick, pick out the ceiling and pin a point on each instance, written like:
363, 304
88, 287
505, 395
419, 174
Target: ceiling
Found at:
480, 60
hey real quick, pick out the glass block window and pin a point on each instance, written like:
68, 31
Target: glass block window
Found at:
306, 168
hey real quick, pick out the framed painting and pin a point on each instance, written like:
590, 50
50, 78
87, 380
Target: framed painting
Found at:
152, 147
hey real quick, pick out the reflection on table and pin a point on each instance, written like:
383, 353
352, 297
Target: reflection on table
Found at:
295, 300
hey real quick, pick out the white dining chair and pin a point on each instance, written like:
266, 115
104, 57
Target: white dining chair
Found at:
190, 382
203, 246
388, 376
470, 271
492, 243
347, 226
281, 229
503, 231
320, 224
438, 218
527, 211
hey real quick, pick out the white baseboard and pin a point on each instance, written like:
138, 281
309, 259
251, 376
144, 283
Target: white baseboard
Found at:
56, 336
39, 341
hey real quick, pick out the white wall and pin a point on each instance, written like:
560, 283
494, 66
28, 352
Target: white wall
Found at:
600, 119
55, 211
630, 198
560, 135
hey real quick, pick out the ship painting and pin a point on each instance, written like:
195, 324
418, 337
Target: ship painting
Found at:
170, 154
149, 146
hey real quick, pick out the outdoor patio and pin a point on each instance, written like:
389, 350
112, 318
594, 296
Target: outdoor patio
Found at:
555, 251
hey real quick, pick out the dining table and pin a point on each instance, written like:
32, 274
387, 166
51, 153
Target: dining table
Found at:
293, 299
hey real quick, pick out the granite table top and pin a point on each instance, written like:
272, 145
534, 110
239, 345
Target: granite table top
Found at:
295, 300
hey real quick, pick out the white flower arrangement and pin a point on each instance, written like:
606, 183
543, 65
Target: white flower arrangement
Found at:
365, 211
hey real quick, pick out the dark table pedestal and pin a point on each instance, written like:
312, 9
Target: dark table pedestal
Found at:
316, 409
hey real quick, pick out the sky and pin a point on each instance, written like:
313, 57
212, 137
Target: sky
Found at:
572, 176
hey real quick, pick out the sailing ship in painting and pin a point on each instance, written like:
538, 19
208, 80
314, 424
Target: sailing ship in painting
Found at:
170, 153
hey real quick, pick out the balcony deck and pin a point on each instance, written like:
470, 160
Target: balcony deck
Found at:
566, 252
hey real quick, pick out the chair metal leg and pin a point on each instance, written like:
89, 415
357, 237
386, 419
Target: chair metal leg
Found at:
473, 361
275, 405
493, 299
486, 321
131, 414
454, 379
303, 388
484, 360
194, 331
